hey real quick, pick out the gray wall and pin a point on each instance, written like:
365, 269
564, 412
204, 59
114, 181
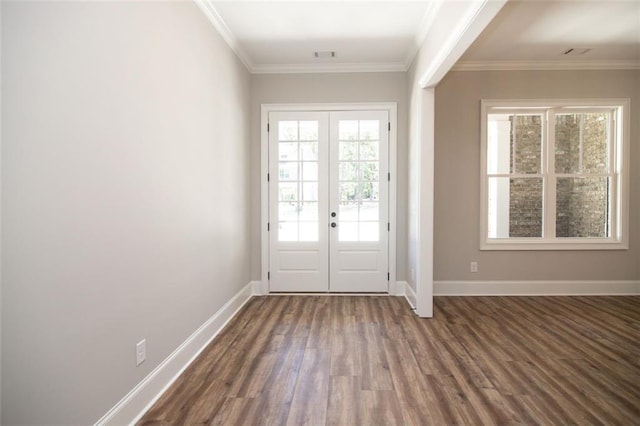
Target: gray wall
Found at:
120, 122
457, 172
330, 88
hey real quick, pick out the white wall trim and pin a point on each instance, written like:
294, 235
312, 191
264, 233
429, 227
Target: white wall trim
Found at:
131, 408
410, 295
328, 68
423, 29
478, 16
546, 65
536, 288
218, 23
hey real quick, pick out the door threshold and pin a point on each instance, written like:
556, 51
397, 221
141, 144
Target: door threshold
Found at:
326, 293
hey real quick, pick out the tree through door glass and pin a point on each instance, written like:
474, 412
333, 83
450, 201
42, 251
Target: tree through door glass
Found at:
359, 180
298, 181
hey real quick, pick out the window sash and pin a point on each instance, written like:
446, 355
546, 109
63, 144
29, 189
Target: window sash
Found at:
550, 177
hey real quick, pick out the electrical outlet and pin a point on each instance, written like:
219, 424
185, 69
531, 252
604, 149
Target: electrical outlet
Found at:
141, 351
473, 267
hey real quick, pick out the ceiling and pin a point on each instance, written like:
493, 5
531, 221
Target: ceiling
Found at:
282, 36
542, 31
285, 34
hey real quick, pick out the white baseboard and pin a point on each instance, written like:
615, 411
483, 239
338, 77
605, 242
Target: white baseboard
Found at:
535, 288
410, 295
256, 288
131, 408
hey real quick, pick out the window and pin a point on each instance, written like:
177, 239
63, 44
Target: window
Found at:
554, 175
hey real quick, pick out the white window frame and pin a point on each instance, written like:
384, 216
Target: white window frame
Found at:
619, 233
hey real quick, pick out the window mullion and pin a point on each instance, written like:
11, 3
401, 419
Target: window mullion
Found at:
549, 173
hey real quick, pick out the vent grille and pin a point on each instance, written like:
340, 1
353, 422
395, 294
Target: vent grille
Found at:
324, 54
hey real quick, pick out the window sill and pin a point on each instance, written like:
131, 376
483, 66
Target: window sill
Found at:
559, 244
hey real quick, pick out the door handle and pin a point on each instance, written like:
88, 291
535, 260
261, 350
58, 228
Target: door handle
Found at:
333, 214
333, 224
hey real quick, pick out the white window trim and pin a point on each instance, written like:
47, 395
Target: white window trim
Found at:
619, 239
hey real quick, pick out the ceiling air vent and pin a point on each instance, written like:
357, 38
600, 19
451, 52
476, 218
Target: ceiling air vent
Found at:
325, 54
576, 51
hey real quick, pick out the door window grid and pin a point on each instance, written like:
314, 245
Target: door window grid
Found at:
298, 181
359, 180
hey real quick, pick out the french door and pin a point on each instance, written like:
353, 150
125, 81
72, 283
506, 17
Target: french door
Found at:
328, 201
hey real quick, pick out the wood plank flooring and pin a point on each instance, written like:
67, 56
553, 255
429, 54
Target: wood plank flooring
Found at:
349, 360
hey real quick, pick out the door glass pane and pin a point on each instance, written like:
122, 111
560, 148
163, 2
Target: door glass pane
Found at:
308, 211
288, 231
369, 150
369, 211
582, 207
348, 151
308, 130
288, 130
288, 171
370, 172
288, 211
310, 191
288, 191
348, 191
370, 191
348, 211
359, 180
288, 151
309, 151
348, 130
348, 171
298, 180
309, 170
369, 130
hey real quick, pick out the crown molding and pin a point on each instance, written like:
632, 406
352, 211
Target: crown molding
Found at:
423, 29
546, 65
218, 23
328, 68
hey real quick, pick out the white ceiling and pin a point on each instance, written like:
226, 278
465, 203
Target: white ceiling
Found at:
285, 34
281, 36
543, 30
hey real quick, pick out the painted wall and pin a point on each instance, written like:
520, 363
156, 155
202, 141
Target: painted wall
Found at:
329, 88
457, 173
120, 122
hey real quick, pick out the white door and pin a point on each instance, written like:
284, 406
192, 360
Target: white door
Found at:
328, 201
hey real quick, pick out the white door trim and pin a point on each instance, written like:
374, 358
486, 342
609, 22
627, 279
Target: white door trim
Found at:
392, 107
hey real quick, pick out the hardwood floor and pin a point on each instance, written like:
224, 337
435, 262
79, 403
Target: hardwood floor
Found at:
352, 360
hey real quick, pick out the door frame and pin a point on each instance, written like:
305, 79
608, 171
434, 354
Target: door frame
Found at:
265, 109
